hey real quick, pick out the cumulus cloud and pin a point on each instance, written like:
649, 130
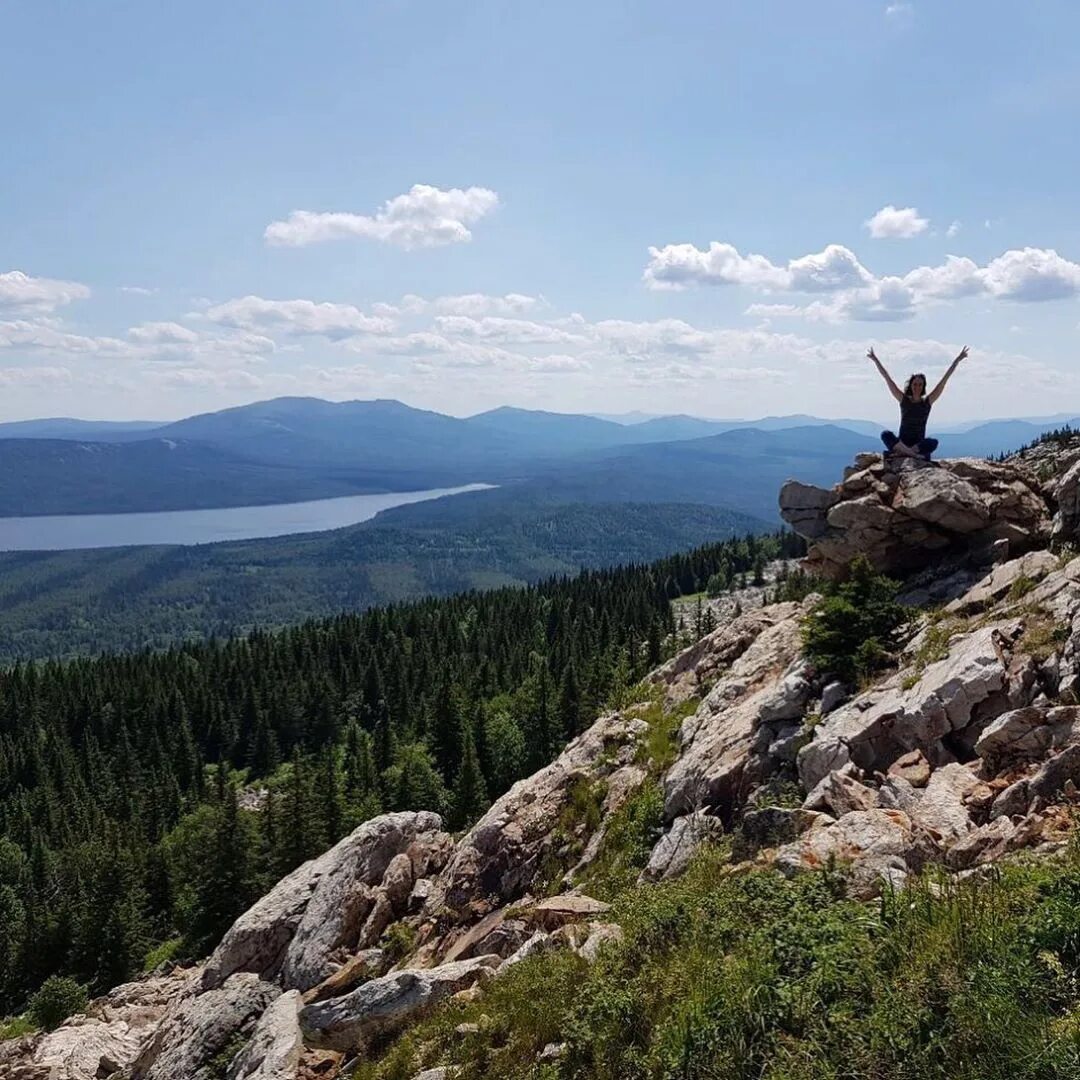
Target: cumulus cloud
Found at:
21, 292
893, 223
333, 321
853, 292
677, 266
424, 217
953, 229
1032, 274
162, 333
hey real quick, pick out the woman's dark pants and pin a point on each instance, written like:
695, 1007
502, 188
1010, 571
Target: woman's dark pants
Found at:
926, 447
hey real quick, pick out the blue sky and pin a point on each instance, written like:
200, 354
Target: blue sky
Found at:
697, 207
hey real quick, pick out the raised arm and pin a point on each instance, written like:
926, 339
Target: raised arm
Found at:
893, 388
937, 391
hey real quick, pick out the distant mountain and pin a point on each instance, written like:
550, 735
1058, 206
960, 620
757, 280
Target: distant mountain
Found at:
64, 427
741, 469
538, 432
55, 476
998, 436
378, 435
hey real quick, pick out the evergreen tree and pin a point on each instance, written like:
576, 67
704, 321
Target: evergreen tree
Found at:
470, 788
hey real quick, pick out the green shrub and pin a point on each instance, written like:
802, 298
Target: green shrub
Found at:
58, 998
852, 631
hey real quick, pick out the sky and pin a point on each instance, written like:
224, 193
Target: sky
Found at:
693, 207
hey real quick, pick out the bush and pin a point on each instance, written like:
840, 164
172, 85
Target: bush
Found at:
58, 998
852, 631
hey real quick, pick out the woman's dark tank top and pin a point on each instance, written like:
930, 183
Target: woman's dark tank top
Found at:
913, 417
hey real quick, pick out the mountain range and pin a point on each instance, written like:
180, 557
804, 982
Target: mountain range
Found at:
289, 449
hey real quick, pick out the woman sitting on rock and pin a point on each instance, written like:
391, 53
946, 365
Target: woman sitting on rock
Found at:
915, 405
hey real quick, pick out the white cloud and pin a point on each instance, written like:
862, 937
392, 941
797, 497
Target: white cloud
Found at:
162, 333
1026, 275
956, 277
137, 290
834, 268
37, 377
21, 292
477, 304
899, 10
677, 265
893, 223
1032, 274
953, 230
424, 217
334, 321
558, 364
497, 328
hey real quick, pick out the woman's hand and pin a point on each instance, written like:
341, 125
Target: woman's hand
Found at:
962, 356
873, 355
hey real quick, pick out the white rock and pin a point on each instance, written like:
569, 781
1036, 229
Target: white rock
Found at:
276, 1043
386, 1004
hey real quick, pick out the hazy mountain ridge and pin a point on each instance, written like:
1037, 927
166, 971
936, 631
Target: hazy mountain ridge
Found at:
292, 449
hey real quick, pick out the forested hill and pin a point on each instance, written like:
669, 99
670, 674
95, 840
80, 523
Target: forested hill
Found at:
64, 603
123, 841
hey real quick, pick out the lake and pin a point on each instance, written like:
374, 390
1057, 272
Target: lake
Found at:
70, 531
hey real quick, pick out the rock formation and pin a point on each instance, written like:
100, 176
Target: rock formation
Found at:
903, 514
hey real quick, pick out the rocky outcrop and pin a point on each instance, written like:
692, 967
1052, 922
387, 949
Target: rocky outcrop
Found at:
500, 858
905, 513
385, 1005
110, 1035
763, 692
297, 929
983, 673
276, 1043
198, 1029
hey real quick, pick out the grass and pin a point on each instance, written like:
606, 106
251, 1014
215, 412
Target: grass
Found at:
14, 1027
162, 954
1042, 636
935, 646
753, 977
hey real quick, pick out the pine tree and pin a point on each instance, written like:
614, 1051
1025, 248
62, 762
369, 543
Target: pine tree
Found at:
470, 788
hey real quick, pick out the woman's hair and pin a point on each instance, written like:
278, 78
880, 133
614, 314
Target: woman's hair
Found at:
911, 379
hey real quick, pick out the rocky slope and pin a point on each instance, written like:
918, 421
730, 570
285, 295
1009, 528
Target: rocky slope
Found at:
965, 753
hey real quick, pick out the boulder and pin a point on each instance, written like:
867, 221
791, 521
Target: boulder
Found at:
767, 680
672, 853
498, 860
912, 767
196, 1029
364, 965
898, 514
276, 1043
699, 665
556, 911
320, 907
1027, 734
600, 934
111, 1034
875, 846
385, 1005
997, 585
840, 793
942, 811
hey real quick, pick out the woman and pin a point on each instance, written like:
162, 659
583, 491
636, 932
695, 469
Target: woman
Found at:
915, 405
